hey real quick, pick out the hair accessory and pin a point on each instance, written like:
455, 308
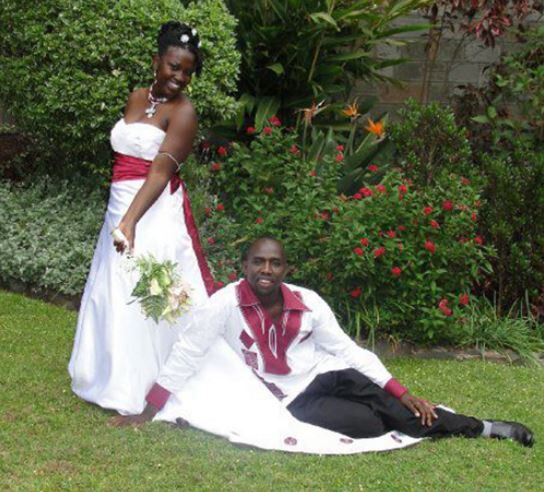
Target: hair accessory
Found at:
154, 101
194, 32
184, 38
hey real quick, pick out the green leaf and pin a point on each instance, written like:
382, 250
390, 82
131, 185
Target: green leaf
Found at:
348, 56
266, 108
277, 68
491, 112
324, 17
480, 119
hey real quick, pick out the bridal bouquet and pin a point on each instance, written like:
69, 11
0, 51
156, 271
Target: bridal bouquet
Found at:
161, 291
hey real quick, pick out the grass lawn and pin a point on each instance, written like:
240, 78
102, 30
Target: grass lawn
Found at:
50, 440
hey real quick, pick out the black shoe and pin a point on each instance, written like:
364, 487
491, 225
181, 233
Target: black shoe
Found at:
512, 430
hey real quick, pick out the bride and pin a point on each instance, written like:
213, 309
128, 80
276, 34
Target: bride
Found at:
117, 353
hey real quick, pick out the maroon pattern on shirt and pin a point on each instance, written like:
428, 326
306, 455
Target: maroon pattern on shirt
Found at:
271, 340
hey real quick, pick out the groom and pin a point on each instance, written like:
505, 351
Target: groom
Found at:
289, 338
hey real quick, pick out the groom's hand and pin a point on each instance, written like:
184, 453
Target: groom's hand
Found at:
420, 408
134, 420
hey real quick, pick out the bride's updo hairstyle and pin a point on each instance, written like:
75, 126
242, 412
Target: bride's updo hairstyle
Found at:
174, 33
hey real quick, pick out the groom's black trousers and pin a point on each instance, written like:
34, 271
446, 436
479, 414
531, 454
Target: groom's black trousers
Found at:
349, 403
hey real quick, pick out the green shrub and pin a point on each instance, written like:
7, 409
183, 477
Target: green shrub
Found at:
69, 65
432, 253
429, 143
505, 118
47, 234
513, 219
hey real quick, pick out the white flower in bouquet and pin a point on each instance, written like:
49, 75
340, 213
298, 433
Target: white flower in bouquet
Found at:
160, 290
154, 288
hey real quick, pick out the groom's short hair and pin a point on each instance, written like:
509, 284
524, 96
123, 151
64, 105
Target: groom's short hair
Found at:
246, 248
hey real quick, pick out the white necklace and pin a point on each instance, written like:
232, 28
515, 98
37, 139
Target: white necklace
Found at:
154, 101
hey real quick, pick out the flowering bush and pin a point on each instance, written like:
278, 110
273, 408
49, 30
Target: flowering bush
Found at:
406, 252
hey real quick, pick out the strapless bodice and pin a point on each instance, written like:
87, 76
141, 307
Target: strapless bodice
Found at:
136, 139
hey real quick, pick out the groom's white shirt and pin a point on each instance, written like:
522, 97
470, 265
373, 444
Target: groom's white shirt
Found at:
286, 358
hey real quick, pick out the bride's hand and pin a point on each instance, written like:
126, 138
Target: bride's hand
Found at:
123, 237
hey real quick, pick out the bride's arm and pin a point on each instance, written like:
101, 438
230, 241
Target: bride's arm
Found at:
177, 144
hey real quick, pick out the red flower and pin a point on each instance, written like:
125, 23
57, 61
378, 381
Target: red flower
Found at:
474, 216
464, 299
477, 203
356, 292
208, 211
259, 220
428, 210
401, 228
339, 157
358, 251
435, 224
373, 168
366, 192
267, 130
274, 121
465, 181
294, 150
325, 215
232, 276
381, 188
250, 130
312, 173
396, 271
402, 188
379, 252
358, 196
211, 240
447, 205
219, 285
329, 276
220, 207
340, 148
269, 190
430, 246
443, 306
392, 234
216, 166
222, 151
479, 240
364, 241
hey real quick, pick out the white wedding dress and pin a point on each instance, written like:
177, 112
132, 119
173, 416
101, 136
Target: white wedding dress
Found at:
118, 354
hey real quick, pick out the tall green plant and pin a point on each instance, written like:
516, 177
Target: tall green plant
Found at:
296, 51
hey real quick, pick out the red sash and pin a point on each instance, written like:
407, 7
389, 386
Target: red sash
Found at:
126, 167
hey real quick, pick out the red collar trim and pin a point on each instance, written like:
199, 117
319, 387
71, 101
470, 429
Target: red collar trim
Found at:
291, 300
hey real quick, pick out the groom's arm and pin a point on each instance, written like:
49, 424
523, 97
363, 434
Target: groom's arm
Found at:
330, 336
207, 323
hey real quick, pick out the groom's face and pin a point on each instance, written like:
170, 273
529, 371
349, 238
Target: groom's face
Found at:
265, 266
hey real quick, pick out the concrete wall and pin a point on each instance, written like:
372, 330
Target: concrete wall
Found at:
460, 60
